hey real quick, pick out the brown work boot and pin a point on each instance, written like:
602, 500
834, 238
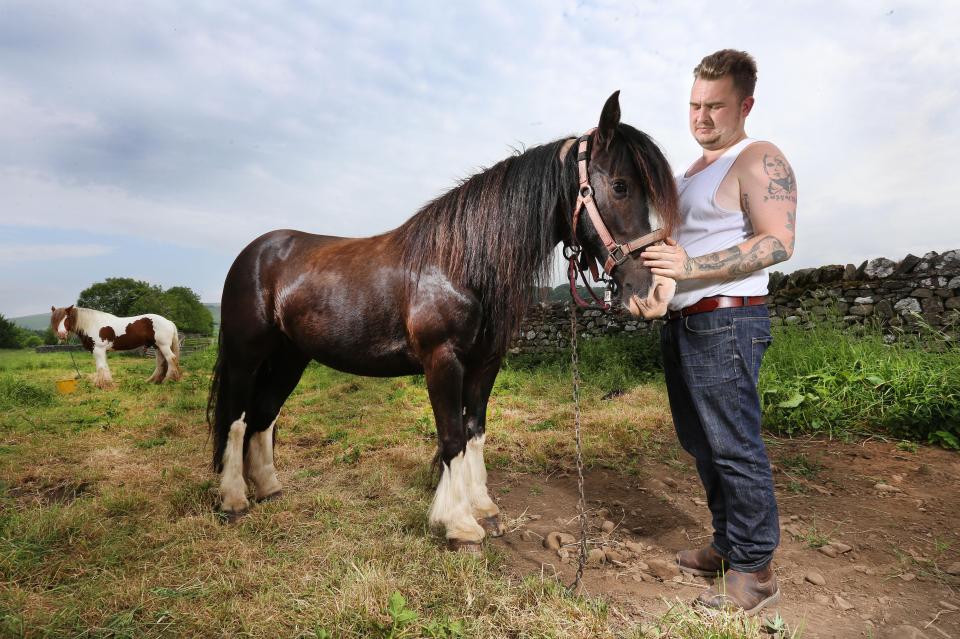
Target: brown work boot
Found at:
705, 562
748, 591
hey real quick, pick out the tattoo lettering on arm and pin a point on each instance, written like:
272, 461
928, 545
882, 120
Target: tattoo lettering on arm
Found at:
783, 184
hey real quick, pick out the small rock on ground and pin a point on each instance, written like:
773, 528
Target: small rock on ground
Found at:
902, 632
842, 603
662, 569
887, 488
815, 578
555, 539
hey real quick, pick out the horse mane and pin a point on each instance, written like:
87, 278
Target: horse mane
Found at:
88, 319
494, 232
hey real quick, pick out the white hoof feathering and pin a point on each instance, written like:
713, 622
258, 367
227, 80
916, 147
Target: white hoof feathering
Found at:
480, 500
451, 503
259, 465
233, 489
102, 378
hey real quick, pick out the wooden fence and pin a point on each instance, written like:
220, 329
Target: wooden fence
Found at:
188, 344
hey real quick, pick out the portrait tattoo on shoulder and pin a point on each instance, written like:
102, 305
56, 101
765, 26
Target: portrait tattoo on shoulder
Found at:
783, 185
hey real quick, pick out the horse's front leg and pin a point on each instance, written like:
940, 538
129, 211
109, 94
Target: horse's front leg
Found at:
477, 386
102, 378
452, 507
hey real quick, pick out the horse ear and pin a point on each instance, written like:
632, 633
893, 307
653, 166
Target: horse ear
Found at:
609, 119
53, 308
69, 308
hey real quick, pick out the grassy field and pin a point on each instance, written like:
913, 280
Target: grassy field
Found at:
107, 523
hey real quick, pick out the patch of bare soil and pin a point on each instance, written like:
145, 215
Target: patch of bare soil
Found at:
870, 545
44, 491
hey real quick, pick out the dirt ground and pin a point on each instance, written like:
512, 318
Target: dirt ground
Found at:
895, 509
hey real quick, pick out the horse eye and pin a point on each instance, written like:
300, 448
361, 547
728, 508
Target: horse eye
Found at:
619, 187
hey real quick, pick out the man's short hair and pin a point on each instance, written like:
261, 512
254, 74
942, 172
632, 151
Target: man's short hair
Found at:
739, 65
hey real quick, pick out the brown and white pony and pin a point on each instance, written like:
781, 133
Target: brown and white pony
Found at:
441, 295
100, 332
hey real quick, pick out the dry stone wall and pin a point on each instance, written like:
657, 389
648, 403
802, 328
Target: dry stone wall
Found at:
913, 294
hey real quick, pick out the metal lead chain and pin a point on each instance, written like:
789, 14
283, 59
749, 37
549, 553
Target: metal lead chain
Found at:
582, 506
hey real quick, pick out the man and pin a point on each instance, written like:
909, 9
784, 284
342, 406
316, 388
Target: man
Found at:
738, 212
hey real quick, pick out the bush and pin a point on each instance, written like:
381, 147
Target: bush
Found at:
609, 363
9, 334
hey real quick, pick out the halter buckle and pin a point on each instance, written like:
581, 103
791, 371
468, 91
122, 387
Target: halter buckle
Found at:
618, 255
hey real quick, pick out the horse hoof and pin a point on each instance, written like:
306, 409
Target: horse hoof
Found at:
271, 497
231, 516
492, 526
468, 547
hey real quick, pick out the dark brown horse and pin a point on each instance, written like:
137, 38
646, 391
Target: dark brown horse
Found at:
441, 295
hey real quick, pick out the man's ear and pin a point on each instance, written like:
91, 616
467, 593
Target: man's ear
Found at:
746, 106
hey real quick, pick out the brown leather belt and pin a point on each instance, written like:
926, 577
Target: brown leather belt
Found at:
708, 304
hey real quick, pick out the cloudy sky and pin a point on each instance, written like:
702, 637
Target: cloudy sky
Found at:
155, 139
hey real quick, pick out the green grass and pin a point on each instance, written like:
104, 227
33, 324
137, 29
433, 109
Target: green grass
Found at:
107, 523
827, 382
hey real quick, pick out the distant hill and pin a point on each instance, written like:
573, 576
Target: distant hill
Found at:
41, 321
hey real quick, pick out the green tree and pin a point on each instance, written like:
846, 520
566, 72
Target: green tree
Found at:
48, 336
9, 334
178, 304
116, 295
191, 315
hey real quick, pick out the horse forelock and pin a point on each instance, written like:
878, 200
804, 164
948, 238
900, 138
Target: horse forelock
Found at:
494, 233
657, 175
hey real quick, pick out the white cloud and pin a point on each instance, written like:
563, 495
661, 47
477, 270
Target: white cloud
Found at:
206, 125
50, 252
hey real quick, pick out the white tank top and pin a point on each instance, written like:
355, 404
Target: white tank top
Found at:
705, 227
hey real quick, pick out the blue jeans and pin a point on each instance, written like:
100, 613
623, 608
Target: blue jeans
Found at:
712, 362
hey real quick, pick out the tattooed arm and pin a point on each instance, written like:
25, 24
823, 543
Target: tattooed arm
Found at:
768, 197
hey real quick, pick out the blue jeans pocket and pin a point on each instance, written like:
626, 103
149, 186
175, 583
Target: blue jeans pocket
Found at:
710, 350
757, 330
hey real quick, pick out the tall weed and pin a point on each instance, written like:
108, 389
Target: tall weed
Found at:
827, 381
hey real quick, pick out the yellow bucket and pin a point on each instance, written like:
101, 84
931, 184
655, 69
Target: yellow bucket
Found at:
66, 385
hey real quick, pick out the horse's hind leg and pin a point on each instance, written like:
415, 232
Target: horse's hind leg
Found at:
172, 366
451, 506
160, 371
276, 379
477, 386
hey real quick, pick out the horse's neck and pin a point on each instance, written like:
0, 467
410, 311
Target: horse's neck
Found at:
89, 321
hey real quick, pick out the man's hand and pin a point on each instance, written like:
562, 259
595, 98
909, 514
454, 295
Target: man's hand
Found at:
668, 260
655, 306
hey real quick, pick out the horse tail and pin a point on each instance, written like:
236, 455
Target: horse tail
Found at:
175, 343
216, 405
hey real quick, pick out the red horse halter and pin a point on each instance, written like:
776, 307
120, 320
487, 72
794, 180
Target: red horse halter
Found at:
617, 254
